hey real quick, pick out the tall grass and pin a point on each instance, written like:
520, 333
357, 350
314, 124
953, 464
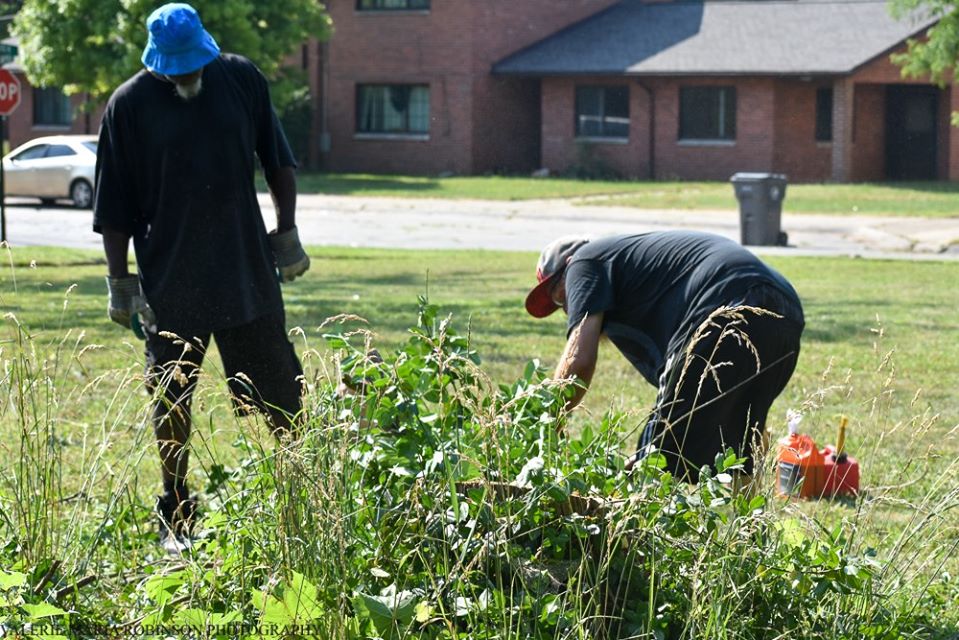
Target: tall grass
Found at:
422, 500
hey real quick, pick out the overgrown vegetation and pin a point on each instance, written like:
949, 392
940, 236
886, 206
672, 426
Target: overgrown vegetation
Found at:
423, 500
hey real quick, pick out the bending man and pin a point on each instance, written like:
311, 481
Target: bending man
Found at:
700, 317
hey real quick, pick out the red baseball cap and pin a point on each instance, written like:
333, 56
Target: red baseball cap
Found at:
551, 265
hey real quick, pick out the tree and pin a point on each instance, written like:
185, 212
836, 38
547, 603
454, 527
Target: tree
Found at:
934, 56
92, 46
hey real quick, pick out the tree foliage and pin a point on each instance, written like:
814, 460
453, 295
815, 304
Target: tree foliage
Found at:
94, 45
935, 55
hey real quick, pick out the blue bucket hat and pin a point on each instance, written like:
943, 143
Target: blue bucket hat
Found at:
177, 43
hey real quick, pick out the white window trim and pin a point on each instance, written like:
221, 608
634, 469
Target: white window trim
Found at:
602, 139
391, 12
411, 137
705, 142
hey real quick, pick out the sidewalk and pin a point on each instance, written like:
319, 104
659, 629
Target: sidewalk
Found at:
527, 226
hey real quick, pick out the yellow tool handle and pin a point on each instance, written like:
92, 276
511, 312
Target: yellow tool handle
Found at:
841, 441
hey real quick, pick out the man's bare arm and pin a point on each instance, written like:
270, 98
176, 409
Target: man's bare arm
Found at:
116, 246
282, 185
579, 357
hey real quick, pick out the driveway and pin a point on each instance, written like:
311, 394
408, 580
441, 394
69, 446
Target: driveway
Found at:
525, 226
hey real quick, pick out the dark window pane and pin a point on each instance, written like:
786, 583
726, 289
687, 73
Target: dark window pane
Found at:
59, 150
824, 114
33, 152
602, 111
51, 107
396, 108
707, 113
589, 110
392, 5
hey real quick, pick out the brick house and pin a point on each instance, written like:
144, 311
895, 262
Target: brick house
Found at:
48, 112
693, 90
407, 88
700, 90
638, 88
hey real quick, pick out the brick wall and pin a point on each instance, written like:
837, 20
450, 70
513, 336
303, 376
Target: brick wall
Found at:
751, 151
433, 48
20, 126
506, 111
797, 153
479, 122
672, 158
869, 134
564, 153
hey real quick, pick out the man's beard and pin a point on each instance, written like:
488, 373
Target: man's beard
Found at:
189, 91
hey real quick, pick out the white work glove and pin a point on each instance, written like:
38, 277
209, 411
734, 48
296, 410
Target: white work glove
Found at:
127, 301
291, 260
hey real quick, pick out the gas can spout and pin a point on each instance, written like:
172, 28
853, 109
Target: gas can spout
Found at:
793, 418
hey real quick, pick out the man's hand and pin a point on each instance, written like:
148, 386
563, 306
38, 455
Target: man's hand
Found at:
123, 291
126, 299
291, 260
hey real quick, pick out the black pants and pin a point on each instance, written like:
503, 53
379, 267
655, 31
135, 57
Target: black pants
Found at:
717, 392
262, 370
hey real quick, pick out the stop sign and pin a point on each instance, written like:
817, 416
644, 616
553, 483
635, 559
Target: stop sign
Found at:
9, 92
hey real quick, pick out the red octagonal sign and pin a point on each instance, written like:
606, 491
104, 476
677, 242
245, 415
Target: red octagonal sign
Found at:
9, 92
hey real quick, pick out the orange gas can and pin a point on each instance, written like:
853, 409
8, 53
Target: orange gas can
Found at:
800, 466
841, 470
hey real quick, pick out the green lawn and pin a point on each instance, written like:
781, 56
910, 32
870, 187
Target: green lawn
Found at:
878, 348
935, 199
858, 311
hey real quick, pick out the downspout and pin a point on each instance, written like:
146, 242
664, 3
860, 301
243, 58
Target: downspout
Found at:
325, 146
87, 107
651, 97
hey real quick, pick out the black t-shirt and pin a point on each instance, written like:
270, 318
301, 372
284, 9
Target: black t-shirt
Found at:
654, 289
178, 176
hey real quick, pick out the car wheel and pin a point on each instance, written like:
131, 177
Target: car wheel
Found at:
82, 194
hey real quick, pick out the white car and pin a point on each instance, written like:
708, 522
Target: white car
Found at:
52, 168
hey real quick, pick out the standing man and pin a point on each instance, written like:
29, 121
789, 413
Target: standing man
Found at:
175, 172
700, 317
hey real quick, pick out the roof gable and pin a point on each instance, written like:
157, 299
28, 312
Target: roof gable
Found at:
731, 37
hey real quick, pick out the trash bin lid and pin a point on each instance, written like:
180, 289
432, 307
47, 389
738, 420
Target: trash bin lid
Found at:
746, 176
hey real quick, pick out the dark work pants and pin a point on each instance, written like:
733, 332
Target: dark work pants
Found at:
717, 393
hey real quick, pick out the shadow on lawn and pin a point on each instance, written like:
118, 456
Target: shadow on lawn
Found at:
335, 184
929, 186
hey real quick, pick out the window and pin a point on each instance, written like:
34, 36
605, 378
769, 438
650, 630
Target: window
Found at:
32, 153
602, 112
392, 5
51, 108
59, 150
824, 114
707, 113
393, 109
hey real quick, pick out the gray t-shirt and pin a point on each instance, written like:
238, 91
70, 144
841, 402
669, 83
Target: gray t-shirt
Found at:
655, 289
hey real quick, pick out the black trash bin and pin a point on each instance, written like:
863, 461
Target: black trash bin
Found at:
760, 198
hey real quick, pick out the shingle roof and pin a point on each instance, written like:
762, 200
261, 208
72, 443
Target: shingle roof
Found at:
720, 37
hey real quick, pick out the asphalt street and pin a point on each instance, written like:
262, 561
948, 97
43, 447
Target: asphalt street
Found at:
524, 226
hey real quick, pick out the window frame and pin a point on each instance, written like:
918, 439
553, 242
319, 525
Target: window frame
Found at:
407, 133
379, 8
605, 119
725, 120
